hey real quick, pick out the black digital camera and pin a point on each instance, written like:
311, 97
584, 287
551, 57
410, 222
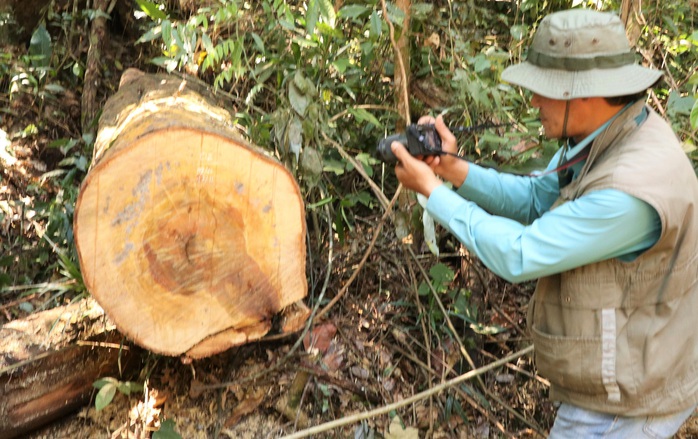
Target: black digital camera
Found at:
419, 140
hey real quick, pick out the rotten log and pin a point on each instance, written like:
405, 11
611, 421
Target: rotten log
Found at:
190, 238
49, 361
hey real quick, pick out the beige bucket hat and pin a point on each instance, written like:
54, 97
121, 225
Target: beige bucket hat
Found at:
581, 53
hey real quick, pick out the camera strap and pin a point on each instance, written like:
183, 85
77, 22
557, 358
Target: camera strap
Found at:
564, 167
479, 127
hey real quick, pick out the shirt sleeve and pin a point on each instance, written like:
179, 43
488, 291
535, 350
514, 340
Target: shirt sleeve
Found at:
600, 225
523, 198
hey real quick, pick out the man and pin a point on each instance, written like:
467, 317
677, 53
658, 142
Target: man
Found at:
610, 229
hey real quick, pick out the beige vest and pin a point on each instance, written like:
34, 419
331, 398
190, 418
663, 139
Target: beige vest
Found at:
622, 337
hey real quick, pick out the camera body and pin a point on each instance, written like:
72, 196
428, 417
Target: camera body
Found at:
419, 140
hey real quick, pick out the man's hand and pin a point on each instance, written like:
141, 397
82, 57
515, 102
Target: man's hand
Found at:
414, 173
446, 166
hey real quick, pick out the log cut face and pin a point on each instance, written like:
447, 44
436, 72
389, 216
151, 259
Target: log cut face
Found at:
189, 238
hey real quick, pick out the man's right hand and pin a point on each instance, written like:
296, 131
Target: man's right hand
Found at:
413, 172
446, 166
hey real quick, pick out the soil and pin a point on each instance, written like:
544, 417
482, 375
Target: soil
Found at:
381, 343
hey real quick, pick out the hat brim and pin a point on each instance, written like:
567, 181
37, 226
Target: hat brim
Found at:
564, 84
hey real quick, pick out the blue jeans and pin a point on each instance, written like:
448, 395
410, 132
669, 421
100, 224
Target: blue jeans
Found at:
576, 423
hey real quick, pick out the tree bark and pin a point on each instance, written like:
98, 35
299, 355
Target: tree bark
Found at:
631, 15
93, 70
402, 78
49, 361
190, 238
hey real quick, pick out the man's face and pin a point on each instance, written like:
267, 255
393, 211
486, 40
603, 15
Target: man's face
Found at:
584, 115
552, 116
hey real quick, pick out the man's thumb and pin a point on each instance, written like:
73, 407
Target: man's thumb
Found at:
398, 149
445, 134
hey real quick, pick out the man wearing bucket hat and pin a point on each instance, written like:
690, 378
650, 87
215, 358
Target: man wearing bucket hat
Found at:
610, 230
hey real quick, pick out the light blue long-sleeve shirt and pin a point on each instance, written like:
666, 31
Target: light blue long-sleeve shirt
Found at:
505, 220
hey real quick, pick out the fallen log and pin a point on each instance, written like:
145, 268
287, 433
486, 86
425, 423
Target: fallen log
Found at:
49, 361
189, 237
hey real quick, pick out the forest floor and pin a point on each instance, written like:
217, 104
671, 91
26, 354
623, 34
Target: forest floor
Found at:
380, 344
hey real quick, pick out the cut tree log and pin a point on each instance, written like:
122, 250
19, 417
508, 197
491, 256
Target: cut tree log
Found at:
189, 237
49, 360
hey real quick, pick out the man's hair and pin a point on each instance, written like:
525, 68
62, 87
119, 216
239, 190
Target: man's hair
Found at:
626, 99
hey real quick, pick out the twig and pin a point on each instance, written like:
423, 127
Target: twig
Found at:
101, 344
435, 295
463, 351
400, 62
427, 341
363, 107
516, 368
370, 395
462, 393
360, 169
405, 402
367, 253
93, 69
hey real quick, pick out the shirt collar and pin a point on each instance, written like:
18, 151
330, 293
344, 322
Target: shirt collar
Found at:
575, 149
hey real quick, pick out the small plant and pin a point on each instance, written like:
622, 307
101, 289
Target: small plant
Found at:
109, 386
458, 304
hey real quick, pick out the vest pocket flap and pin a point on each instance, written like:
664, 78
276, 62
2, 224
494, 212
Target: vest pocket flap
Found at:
572, 363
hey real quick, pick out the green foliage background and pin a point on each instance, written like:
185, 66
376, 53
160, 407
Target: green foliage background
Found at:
305, 80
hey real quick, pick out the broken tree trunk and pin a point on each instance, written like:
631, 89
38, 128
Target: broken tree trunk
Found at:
49, 360
190, 238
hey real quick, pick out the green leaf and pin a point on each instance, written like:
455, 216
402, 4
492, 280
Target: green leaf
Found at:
151, 9
287, 24
166, 27
518, 32
311, 165
320, 203
353, 11
312, 16
694, 115
486, 329
129, 387
376, 26
395, 14
208, 44
362, 115
677, 104
341, 64
693, 80
422, 11
258, 42
441, 275
167, 431
299, 100
151, 35
335, 166
103, 382
105, 396
327, 11
40, 47
481, 63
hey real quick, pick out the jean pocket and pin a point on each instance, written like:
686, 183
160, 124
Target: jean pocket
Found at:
572, 363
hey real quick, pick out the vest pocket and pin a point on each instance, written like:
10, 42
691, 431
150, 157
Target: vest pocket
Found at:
571, 363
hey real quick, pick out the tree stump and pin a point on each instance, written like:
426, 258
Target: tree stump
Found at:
189, 237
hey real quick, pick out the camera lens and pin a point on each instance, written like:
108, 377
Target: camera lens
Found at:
384, 152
